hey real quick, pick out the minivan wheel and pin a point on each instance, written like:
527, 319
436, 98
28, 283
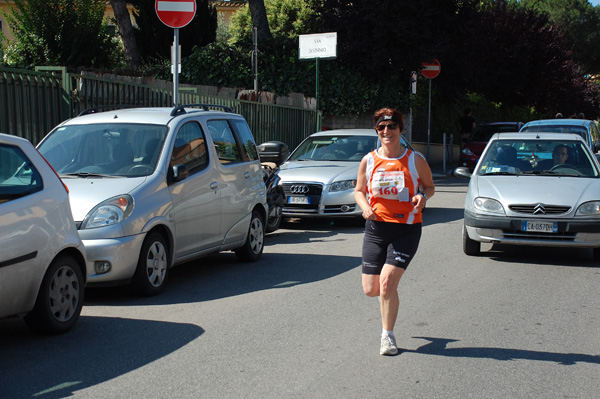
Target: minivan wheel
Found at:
153, 266
60, 298
470, 247
255, 242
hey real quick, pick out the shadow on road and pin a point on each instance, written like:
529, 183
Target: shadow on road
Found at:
438, 347
98, 349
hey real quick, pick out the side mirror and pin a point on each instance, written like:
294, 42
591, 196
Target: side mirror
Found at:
180, 172
462, 171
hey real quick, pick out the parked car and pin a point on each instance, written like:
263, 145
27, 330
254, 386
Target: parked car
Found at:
43, 262
472, 150
319, 176
155, 187
585, 128
521, 194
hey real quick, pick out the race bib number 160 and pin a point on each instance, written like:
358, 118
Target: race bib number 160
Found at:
389, 185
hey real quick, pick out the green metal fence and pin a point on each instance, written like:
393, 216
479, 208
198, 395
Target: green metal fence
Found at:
33, 102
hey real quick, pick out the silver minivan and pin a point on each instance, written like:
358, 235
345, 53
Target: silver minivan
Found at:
155, 187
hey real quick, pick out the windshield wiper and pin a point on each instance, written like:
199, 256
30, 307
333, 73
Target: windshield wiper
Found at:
501, 174
85, 174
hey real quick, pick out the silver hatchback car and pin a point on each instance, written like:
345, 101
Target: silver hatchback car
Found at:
155, 187
42, 258
538, 189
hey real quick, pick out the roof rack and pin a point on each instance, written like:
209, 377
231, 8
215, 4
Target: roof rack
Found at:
181, 108
101, 108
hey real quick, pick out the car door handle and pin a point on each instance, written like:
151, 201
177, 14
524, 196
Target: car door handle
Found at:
247, 175
214, 186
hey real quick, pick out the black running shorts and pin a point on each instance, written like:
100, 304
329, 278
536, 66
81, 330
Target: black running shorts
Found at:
389, 243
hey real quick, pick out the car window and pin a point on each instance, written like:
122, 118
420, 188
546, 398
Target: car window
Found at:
104, 148
18, 176
245, 137
224, 139
334, 148
535, 157
190, 148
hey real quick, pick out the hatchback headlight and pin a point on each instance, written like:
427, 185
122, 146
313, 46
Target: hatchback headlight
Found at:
591, 208
343, 185
113, 210
467, 152
488, 205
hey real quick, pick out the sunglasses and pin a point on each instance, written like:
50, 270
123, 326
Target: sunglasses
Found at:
390, 126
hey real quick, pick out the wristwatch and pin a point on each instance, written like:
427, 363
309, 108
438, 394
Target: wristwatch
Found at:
423, 194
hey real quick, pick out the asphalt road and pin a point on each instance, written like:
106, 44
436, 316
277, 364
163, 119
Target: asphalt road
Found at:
514, 323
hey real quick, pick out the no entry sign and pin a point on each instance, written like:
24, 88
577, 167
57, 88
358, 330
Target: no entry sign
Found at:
175, 13
431, 69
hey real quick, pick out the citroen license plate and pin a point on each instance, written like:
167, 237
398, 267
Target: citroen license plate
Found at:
539, 226
298, 200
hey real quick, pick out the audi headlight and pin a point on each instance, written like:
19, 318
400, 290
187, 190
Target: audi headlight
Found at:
488, 205
591, 208
113, 210
343, 185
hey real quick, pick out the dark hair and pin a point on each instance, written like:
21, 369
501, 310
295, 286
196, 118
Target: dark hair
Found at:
390, 113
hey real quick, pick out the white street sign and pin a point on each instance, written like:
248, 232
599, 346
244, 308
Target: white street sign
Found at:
318, 45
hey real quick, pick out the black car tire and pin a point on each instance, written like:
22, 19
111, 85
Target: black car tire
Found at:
470, 247
255, 241
152, 270
60, 298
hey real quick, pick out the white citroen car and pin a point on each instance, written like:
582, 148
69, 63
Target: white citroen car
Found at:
539, 189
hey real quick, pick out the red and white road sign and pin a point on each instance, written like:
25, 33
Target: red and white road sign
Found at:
175, 13
431, 69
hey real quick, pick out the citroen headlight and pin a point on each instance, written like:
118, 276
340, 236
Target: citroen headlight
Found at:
591, 208
343, 185
488, 205
113, 210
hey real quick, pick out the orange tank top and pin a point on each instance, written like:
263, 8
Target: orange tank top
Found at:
391, 183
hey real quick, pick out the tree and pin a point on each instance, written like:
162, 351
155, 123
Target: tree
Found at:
260, 21
72, 33
581, 23
286, 20
123, 20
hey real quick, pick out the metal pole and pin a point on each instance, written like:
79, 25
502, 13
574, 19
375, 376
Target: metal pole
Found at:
444, 151
255, 58
175, 66
429, 122
317, 85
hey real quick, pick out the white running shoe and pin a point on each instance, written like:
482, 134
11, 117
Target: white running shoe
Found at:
388, 345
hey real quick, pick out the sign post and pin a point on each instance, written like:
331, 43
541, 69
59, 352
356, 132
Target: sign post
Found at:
318, 45
175, 14
430, 69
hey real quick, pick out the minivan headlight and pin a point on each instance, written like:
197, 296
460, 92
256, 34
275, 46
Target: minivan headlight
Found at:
488, 205
591, 208
113, 210
343, 185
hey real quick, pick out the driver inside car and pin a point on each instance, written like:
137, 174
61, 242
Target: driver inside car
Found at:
560, 156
